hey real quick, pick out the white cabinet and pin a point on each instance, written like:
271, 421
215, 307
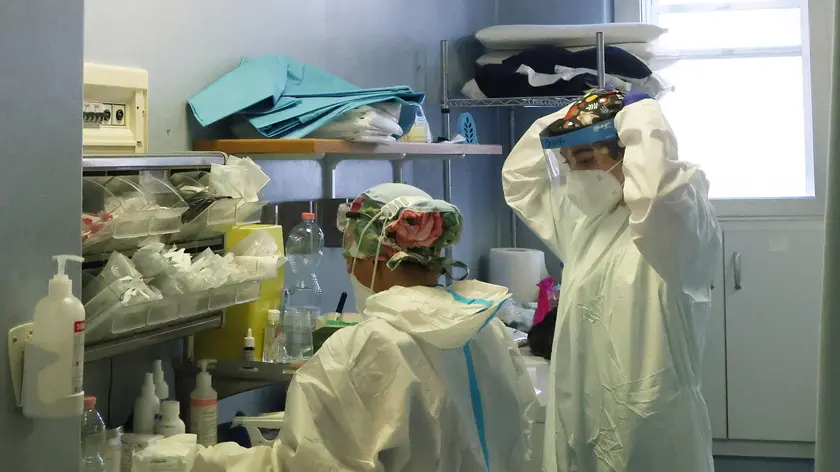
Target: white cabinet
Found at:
714, 362
773, 284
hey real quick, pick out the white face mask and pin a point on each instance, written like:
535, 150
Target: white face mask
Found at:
594, 192
360, 293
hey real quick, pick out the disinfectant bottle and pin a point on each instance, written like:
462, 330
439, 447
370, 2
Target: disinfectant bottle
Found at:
146, 407
59, 329
204, 408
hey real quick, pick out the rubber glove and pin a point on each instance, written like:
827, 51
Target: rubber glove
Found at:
633, 97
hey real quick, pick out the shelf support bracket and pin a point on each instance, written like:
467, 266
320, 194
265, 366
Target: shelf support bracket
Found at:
328, 167
397, 170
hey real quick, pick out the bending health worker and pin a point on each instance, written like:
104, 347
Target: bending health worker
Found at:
430, 380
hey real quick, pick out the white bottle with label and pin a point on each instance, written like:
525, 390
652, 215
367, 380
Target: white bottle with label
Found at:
58, 330
204, 408
146, 408
170, 422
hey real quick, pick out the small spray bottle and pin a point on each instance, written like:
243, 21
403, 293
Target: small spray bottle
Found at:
250, 347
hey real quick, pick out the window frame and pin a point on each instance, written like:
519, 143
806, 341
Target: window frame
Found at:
817, 28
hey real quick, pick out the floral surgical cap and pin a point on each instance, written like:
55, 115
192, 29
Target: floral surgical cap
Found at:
397, 223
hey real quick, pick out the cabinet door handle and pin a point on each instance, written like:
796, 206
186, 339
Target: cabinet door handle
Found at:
736, 266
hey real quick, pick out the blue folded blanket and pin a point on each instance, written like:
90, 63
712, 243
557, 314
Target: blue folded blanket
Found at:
279, 97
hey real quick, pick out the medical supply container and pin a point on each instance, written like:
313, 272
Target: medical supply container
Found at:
297, 333
226, 342
132, 443
55, 367
272, 338
93, 438
304, 250
170, 422
204, 408
146, 407
161, 387
248, 351
328, 324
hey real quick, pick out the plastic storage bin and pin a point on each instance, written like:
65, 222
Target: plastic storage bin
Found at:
119, 212
212, 205
110, 316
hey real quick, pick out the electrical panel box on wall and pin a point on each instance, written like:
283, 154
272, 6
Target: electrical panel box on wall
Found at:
115, 110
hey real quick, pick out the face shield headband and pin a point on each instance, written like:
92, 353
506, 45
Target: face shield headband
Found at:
602, 131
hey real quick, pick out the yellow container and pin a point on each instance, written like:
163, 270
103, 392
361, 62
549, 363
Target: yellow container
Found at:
227, 342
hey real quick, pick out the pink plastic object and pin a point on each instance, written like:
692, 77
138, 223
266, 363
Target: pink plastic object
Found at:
546, 287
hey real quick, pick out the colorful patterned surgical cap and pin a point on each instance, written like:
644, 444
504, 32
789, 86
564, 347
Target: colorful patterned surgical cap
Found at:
397, 223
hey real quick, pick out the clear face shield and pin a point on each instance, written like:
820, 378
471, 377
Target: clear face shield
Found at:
590, 189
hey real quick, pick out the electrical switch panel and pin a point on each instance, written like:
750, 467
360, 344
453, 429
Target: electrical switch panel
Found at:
115, 109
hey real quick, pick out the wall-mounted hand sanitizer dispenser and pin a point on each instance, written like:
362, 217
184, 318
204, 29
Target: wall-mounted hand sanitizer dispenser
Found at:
115, 110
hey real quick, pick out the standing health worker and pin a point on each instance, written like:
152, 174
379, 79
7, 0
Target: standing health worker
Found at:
601, 184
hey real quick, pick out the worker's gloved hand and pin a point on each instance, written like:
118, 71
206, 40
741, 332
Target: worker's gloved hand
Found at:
633, 97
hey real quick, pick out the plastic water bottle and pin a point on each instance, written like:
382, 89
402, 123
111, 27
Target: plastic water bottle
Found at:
304, 250
93, 438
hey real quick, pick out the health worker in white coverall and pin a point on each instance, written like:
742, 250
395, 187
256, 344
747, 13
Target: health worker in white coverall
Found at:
431, 381
600, 182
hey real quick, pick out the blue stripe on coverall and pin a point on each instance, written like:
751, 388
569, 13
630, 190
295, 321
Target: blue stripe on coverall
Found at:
475, 393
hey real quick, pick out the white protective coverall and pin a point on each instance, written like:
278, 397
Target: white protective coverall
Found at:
430, 381
628, 342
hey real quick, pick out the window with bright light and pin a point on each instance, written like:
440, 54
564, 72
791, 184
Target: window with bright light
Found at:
739, 106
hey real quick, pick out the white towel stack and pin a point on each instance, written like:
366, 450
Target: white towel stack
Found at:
377, 123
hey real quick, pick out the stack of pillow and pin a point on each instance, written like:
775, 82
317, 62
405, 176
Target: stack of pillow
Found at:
561, 60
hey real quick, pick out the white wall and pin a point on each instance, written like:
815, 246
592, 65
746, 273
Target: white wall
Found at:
40, 147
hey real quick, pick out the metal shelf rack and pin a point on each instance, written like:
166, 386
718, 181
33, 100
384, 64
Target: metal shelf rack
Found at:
177, 329
332, 151
185, 160
510, 103
172, 332
513, 102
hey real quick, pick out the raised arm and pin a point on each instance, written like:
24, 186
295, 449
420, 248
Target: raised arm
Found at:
530, 193
671, 219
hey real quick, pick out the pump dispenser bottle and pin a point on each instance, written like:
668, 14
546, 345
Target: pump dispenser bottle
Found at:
55, 358
146, 407
204, 408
